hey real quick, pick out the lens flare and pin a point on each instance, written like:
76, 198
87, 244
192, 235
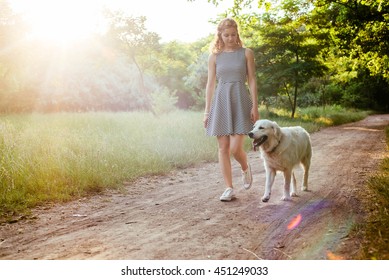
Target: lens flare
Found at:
332, 256
295, 222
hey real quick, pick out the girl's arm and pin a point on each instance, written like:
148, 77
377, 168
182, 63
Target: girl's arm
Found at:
252, 83
210, 88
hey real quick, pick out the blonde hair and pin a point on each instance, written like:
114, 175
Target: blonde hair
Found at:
218, 44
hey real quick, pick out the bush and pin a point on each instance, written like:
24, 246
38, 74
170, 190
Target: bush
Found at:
164, 101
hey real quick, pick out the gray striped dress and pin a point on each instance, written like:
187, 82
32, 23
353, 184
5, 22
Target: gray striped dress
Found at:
231, 104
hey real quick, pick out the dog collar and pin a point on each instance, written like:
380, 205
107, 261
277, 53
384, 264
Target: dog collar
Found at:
275, 148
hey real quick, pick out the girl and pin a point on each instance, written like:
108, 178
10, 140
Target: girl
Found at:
230, 114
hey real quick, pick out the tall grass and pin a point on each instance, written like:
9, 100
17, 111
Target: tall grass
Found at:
58, 157
376, 234
61, 156
314, 118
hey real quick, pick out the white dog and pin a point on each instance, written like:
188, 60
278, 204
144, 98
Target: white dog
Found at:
282, 149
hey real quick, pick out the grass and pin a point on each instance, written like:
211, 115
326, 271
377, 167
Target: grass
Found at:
58, 157
375, 231
48, 158
313, 118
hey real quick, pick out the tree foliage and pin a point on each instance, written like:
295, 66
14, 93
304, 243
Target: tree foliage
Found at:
354, 32
129, 34
360, 28
288, 53
308, 52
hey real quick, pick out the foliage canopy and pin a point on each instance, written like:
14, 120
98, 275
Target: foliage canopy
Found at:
308, 53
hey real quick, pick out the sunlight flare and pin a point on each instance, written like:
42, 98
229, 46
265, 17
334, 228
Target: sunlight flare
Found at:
62, 22
332, 256
295, 222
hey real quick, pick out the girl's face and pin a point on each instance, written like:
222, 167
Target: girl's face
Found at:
230, 37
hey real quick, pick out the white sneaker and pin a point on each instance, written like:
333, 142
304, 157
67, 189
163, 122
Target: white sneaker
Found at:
247, 177
228, 195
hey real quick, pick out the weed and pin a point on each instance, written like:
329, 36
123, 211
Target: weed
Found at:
376, 234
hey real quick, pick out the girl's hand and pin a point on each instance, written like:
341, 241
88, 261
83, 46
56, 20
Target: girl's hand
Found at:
254, 114
205, 120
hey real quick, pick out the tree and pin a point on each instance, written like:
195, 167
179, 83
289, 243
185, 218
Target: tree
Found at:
352, 32
174, 59
12, 58
359, 32
288, 51
196, 80
130, 35
360, 28
8, 43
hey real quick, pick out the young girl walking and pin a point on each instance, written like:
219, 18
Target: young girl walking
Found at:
230, 108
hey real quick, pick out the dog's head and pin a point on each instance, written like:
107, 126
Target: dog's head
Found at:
264, 131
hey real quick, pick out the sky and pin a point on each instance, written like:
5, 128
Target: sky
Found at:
172, 19
176, 19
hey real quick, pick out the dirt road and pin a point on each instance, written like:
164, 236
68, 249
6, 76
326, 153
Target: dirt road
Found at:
179, 216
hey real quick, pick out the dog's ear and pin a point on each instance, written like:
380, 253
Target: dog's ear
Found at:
277, 130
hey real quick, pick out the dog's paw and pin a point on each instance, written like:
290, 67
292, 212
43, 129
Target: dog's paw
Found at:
265, 198
285, 198
304, 188
293, 194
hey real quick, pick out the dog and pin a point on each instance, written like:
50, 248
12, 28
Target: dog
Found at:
282, 149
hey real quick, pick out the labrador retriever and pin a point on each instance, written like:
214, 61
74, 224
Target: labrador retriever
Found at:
282, 149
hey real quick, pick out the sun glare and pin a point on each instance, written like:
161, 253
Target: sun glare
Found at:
62, 22
295, 222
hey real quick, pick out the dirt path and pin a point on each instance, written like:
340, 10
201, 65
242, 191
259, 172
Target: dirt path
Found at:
179, 216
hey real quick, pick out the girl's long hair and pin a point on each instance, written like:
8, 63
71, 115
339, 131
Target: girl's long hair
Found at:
217, 45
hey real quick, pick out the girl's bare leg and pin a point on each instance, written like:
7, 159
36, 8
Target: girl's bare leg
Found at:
225, 160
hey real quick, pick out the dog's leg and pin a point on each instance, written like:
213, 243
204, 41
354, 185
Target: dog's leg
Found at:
306, 164
287, 179
293, 191
270, 175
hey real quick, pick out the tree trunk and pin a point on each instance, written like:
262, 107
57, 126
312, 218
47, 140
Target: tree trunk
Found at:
288, 94
296, 84
295, 99
147, 96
